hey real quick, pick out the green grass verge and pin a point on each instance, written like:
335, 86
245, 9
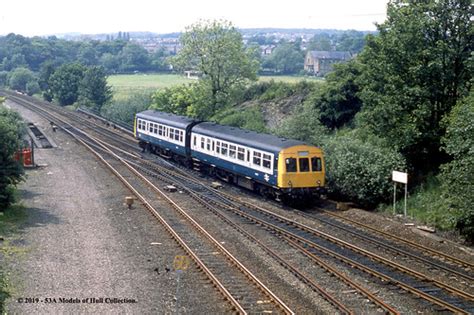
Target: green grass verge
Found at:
9, 223
426, 205
123, 85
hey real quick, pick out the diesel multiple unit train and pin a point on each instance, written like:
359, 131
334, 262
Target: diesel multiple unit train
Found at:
275, 167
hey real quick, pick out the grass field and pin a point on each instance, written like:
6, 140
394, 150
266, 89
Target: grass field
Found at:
126, 84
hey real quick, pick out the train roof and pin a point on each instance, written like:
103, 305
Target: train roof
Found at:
253, 139
166, 118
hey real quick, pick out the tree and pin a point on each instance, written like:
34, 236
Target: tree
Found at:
64, 83
12, 130
134, 58
457, 176
110, 62
304, 125
3, 78
215, 49
338, 100
413, 73
320, 42
93, 89
19, 78
176, 99
287, 59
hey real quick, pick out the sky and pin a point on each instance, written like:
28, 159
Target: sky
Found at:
45, 17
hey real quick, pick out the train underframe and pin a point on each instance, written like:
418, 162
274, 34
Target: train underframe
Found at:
296, 196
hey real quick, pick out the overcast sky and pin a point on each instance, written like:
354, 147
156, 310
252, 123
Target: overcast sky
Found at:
42, 17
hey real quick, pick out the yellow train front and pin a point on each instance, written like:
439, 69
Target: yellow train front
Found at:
301, 172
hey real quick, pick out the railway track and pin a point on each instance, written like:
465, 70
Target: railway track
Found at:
316, 245
243, 290
397, 246
467, 266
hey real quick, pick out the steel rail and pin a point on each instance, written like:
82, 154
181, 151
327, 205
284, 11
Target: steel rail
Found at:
201, 265
403, 240
215, 242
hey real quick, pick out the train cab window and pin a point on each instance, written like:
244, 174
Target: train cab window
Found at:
257, 158
202, 142
316, 165
232, 151
208, 144
224, 148
218, 147
290, 165
267, 161
304, 165
241, 153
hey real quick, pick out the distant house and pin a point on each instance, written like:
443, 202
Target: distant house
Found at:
267, 49
320, 62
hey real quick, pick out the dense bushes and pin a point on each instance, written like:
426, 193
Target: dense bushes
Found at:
250, 118
124, 110
360, 170
11, 130
458, 175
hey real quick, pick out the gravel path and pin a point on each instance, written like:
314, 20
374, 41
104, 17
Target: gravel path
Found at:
81, 243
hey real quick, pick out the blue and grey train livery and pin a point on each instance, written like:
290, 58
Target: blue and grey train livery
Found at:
274, 166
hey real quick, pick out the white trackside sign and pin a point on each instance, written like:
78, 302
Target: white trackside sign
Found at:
400, 177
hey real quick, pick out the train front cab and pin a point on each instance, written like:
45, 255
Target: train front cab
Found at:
301, 171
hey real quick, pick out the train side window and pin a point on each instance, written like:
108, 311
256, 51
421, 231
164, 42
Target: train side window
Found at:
267, 161
232, 151
213, 146
248, 156
181, 133
177, 135
155, 129
218, 147
257, 158
194, 140
290, 165
160, 130
208, 146
150, 127
316, 165
171, 135
241, 153
224, 149
304, 165
202, 142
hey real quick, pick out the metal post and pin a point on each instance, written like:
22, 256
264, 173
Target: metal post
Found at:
394, 196
406, 194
